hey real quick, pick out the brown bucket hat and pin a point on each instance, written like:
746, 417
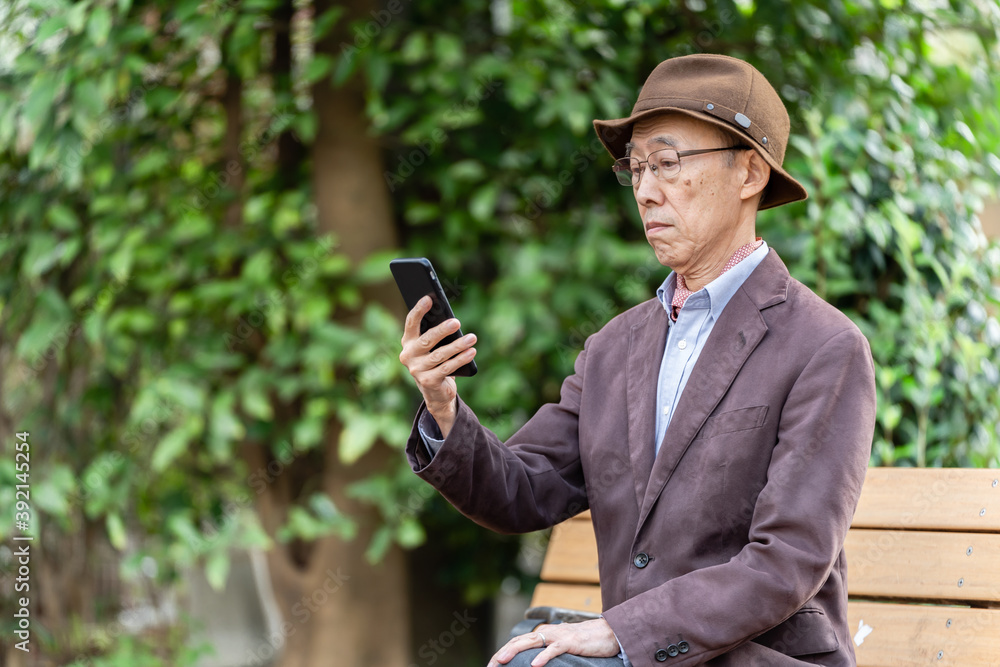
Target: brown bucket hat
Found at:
726, 92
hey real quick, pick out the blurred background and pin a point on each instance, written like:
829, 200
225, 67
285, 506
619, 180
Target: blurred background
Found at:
198, 203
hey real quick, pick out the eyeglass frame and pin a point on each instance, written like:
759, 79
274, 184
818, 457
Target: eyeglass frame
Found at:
635, 181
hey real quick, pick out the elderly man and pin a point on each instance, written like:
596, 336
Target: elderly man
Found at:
740, 406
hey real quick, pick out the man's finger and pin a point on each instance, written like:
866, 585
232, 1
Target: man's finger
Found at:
411, 327
515, 646
436, 358
452, 365
543, 658
433, 336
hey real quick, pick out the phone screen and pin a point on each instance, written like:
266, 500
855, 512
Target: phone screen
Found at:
416, 278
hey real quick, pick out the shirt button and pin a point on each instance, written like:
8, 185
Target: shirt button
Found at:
641, 559
672, 650
683, 647
681, 345
661, 656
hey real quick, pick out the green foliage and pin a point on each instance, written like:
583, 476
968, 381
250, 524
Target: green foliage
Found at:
149, 652
146, 340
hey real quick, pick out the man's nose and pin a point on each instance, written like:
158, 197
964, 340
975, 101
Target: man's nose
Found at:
649, 191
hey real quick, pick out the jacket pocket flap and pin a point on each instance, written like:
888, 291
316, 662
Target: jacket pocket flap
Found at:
808, 631
734, 420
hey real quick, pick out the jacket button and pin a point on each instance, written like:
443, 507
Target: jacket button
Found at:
661, 656
673, 650
641, 559
683, 647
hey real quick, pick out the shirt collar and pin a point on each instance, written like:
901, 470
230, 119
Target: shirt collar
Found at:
716, 294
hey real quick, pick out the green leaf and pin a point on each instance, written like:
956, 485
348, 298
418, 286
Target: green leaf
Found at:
99, 26
325, 22
76, 16
357, 437
256, 404
151, 164
483, 202
116, 531
217, 570
307, 433
319, 67
49, 27
448, 50
379, 545
171, 446
52, 493
44, 251
410, 533
41, 97
304, 125
226, 426
414, 48
63, 218
347, 64
323, 507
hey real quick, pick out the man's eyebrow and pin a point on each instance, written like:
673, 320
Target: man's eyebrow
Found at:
663, 140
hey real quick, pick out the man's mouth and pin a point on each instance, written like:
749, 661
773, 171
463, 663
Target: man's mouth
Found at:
653, 225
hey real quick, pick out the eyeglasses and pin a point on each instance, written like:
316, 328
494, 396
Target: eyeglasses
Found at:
663, 163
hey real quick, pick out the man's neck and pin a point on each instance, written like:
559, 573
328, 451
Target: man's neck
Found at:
695, 279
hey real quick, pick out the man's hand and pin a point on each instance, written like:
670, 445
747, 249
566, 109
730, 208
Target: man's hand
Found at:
593, 639
433, 369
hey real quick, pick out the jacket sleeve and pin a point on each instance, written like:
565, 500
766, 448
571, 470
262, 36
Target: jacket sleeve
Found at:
533, 481
799, 522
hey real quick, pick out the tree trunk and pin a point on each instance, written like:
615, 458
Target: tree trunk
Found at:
336, 607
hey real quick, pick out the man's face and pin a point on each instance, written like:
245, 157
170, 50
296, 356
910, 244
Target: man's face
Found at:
694, 218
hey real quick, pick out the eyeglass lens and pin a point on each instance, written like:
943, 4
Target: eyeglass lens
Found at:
662, 163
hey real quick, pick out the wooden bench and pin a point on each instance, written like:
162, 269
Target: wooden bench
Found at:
923, 558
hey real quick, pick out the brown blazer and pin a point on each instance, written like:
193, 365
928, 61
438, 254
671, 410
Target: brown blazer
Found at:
729, 544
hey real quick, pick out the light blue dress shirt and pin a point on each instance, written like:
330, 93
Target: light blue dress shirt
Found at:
687, 336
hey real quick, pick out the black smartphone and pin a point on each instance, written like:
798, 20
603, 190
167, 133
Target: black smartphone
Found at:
416, 279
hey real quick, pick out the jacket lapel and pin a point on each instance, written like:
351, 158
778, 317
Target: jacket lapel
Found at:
645, 352
734, 337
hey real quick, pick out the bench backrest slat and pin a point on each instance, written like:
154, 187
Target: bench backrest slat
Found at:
918, 536
946, 567
955, 499
572, 553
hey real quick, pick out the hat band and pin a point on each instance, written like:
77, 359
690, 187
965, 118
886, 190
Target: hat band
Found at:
737, 119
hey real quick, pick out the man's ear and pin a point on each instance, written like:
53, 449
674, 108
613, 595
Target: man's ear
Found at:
758, 173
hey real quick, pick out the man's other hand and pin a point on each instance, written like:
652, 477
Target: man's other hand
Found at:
594, 639
433, 369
